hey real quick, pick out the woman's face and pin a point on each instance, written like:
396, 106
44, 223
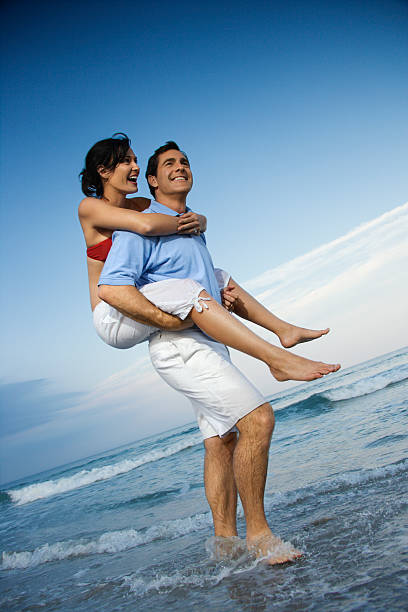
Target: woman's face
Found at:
124, 177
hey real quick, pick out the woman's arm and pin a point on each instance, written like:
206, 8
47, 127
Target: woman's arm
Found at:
139, 203
101, 215
104, 216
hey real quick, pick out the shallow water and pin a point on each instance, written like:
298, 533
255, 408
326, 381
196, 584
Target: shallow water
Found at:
127, 529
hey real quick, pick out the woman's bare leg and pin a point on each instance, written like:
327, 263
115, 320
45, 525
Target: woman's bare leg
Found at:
216, 322
247, 307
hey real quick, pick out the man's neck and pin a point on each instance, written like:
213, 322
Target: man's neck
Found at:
175, 202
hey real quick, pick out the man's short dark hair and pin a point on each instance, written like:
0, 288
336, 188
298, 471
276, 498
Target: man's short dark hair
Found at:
153, 162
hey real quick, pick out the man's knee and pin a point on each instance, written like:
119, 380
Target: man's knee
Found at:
221, 448
266, 416
260, 422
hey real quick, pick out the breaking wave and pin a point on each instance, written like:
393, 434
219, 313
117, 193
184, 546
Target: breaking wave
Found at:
352, 390
113, 542
109, 542
343, 482
40, 490
368, 385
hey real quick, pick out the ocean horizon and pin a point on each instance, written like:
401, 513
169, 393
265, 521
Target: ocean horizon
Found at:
130, 527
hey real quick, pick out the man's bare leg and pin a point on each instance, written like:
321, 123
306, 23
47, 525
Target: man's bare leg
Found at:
250, 469
247, 307
216, 322
219, 481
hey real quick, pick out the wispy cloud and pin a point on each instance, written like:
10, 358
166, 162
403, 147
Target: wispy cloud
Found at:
381, 241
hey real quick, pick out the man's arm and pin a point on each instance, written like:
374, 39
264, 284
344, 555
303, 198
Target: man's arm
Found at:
123, 268
133, 304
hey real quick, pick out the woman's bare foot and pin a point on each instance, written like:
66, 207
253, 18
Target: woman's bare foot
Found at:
296, 335
287, 366
272, 549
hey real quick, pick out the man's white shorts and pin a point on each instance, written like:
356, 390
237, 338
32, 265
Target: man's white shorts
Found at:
201, 369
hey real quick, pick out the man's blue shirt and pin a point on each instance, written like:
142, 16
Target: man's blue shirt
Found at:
139, 260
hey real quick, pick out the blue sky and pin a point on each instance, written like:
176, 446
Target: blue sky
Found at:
294, 116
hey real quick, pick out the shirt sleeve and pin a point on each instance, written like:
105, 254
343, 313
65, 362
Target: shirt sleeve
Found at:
126, 259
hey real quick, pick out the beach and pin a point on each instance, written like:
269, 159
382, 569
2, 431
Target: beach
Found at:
130, 528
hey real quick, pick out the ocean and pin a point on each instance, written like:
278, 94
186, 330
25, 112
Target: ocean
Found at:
129, 529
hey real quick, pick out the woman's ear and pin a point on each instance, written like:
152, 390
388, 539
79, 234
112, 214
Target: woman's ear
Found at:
103, 172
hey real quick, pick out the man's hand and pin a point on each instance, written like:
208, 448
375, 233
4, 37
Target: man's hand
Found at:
229, 297
192, 223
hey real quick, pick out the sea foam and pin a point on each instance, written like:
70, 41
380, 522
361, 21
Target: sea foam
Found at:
367, 385
48, 488
166, 583
113, 542
110, 542
338, 391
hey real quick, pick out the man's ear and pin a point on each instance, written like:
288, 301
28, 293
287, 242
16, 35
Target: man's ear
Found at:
152, 180
103, 172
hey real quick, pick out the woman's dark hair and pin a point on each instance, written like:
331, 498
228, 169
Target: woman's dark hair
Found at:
106, 153
153, 162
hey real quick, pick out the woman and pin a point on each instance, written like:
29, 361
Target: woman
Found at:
110, 174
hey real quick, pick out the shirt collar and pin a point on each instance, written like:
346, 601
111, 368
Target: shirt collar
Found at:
165, 210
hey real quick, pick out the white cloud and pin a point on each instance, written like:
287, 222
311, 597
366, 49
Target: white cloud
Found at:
288, 282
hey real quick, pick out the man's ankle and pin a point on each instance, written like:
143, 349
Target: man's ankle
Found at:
225, 530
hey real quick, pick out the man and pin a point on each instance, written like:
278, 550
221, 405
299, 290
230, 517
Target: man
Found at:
191, 362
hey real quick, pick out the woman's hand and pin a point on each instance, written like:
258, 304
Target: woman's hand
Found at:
192, 223
228, 297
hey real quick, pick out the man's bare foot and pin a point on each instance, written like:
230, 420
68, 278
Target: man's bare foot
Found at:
288, 366
296, 335
220, 548
272, 549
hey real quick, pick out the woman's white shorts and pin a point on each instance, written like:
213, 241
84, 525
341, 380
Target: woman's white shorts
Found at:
175, 296
201, 369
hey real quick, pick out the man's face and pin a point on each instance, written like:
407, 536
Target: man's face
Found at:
173, 174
